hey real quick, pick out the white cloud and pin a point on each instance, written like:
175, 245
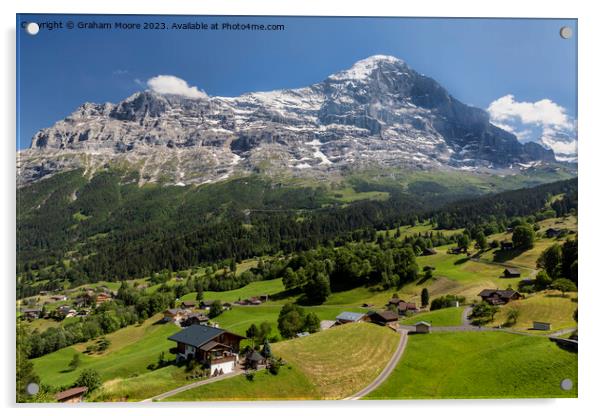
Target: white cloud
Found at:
543, 112
543, 121
168, 84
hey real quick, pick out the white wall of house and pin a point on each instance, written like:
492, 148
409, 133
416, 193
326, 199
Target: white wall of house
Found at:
226, 367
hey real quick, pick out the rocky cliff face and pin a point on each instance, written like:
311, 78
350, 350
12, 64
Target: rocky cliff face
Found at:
379, 112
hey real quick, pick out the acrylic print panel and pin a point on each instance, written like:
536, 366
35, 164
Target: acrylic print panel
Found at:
287, 208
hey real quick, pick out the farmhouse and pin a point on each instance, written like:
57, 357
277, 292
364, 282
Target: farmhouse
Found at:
58, 298
214, 347
31, 313
254, 360
194, 319
206, 304
499, 297
422, 327
394, 301
174, 315
455, 250
542, 326
66, 311
511, 272
383, 317
349, 317
73, 395
404, 307
552, 232
188, 304
506, 245
102, 298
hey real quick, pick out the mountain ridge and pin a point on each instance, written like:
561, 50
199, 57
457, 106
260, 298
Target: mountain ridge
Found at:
378, 112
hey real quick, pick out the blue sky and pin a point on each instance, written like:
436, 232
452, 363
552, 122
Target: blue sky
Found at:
479, 61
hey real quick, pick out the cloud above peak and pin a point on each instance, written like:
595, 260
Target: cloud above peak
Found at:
544, 122
169, 84
542, 112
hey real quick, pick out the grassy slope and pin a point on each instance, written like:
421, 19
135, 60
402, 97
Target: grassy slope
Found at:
341, 360
133, 351
327, 365
547, 306
479, 365
441, 317
263, 287
289, 384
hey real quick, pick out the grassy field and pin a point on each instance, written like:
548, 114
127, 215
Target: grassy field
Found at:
289, 384
547, 306
341, 360
132, 350
441, 317
479, 365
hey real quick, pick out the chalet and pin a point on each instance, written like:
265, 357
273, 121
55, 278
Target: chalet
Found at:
188, 304
58, 298
72, 395
429, 251
511, 272
31, 313
394, 301
422, 327
542, 326
66, 311
254, 360
227, 305
194, 319
264, 298
553, 232
455, 250
383, 317
349, 317
254, 301
499, 297
206, 304
506, 245
404, 307
102, 298
43, 293
211, 346
174, 315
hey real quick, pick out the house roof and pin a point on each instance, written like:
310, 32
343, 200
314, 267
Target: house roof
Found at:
350, 316
173, 311
395, 301
211, 345
512, 270
404, 306
500, 293
422, 323
207, 302
386, 315
189, 303
75, 391
197, 335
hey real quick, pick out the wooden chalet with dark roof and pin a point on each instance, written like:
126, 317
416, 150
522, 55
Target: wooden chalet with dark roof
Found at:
511, 272
499, 297
383, 317
215, 347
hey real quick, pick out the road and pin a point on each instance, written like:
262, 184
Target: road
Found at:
387, 370
192, 386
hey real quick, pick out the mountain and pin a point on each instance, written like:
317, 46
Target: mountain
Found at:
380, 112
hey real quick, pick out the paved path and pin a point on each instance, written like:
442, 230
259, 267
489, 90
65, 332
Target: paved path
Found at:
387, 370
193, 385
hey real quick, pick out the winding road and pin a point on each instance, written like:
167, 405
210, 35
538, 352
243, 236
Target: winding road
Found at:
403, 340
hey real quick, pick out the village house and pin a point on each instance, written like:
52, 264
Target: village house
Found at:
327, 324
254, 360
499, 297
188, 304
205, 304
211, 346
350, 317
383, 317
422, 327
58, 298
455, 250
511, 272
542, 326
31, 313
72, 395
194, 319
66, 311
403, 308
506, 245
102, 298
174, 315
